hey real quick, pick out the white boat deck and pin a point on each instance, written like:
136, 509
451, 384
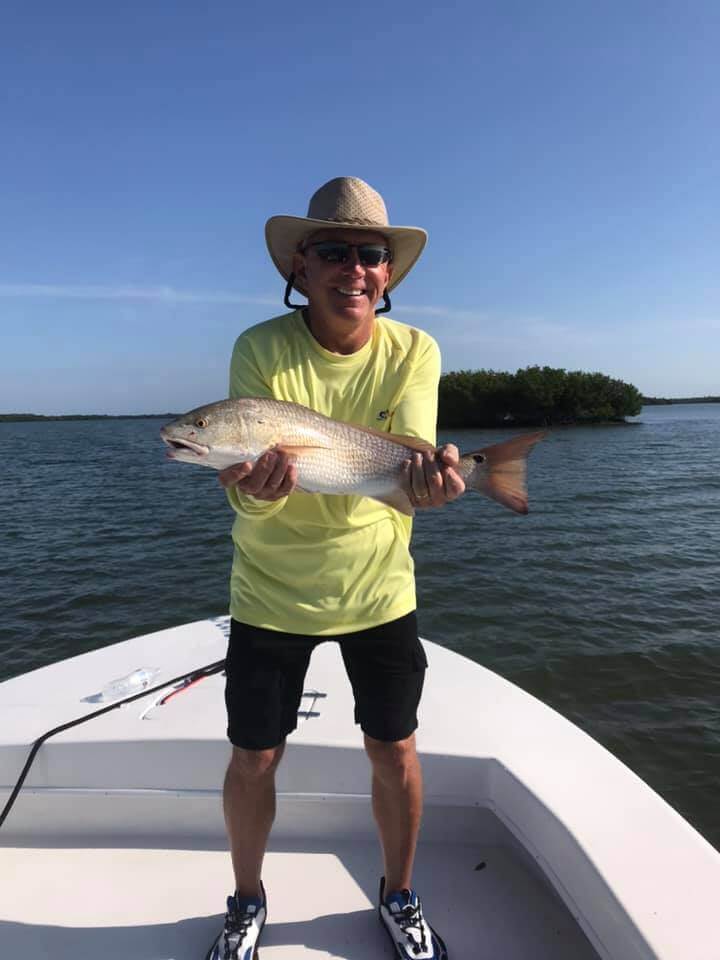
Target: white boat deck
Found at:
116, 845
148, 904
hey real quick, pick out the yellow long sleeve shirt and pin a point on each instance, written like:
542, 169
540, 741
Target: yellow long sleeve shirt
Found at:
316, 564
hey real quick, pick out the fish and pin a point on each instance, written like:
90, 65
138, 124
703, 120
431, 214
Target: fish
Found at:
334, 457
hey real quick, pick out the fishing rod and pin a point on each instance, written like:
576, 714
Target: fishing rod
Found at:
193, 675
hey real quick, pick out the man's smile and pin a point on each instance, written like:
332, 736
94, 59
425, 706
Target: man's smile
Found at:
350, 291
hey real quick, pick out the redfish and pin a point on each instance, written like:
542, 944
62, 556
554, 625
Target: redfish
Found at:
333, 457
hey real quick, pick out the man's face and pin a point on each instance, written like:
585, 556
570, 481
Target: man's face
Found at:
349, 290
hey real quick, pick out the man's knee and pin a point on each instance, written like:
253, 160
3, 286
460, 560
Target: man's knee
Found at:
254, 764
393, 760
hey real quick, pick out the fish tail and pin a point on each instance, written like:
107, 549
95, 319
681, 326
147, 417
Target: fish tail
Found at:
500, 471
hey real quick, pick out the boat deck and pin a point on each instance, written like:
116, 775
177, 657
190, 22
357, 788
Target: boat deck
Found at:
321, 903
116, 845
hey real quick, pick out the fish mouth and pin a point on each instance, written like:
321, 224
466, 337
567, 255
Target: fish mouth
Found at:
177, 445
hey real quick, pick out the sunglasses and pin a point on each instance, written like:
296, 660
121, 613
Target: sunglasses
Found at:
369, 254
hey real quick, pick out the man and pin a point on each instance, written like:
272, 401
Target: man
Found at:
312, 568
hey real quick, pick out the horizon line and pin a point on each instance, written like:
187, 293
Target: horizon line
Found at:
17, 415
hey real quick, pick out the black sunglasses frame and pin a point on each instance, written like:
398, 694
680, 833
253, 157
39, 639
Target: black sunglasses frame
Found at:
345, 248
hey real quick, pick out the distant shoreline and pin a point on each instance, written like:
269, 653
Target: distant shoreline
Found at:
27, 417
662, 401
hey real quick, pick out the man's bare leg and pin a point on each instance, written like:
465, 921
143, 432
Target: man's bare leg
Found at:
397, 794
249, 806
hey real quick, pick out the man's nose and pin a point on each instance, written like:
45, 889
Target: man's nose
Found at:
353, 260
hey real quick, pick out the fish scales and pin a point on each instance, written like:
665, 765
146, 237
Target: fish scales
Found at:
347, 459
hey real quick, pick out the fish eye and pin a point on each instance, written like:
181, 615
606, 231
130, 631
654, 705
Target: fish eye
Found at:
201, 422
479, 458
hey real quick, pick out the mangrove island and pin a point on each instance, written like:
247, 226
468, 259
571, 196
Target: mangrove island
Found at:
535, 396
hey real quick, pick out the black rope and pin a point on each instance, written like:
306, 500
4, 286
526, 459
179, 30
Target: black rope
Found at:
193, 675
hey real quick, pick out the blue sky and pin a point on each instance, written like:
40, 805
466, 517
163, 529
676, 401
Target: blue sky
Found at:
563, 156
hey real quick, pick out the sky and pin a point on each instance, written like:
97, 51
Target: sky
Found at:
563, 155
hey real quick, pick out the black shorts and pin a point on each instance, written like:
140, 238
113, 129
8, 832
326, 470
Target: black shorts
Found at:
266, 672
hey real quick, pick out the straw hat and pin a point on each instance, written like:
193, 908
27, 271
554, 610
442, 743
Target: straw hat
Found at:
346, 203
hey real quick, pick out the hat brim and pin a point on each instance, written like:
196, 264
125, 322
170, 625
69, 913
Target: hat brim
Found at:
284, 236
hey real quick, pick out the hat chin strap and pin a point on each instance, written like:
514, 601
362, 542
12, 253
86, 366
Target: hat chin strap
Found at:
288, 290
387, 306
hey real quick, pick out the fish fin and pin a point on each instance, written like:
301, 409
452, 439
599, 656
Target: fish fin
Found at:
297, 450
399, 500
500, 471
415, 443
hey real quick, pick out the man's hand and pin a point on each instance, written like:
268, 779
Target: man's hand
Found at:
271, 477
433, 481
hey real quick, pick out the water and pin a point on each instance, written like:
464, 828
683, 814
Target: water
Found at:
604, 601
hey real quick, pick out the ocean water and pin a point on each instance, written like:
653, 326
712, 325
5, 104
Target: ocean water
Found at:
604, 601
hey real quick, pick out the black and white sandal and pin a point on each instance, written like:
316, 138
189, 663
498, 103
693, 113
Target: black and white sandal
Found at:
244, 921
412, 936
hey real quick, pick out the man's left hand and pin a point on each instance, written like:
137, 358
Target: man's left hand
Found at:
433, 481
